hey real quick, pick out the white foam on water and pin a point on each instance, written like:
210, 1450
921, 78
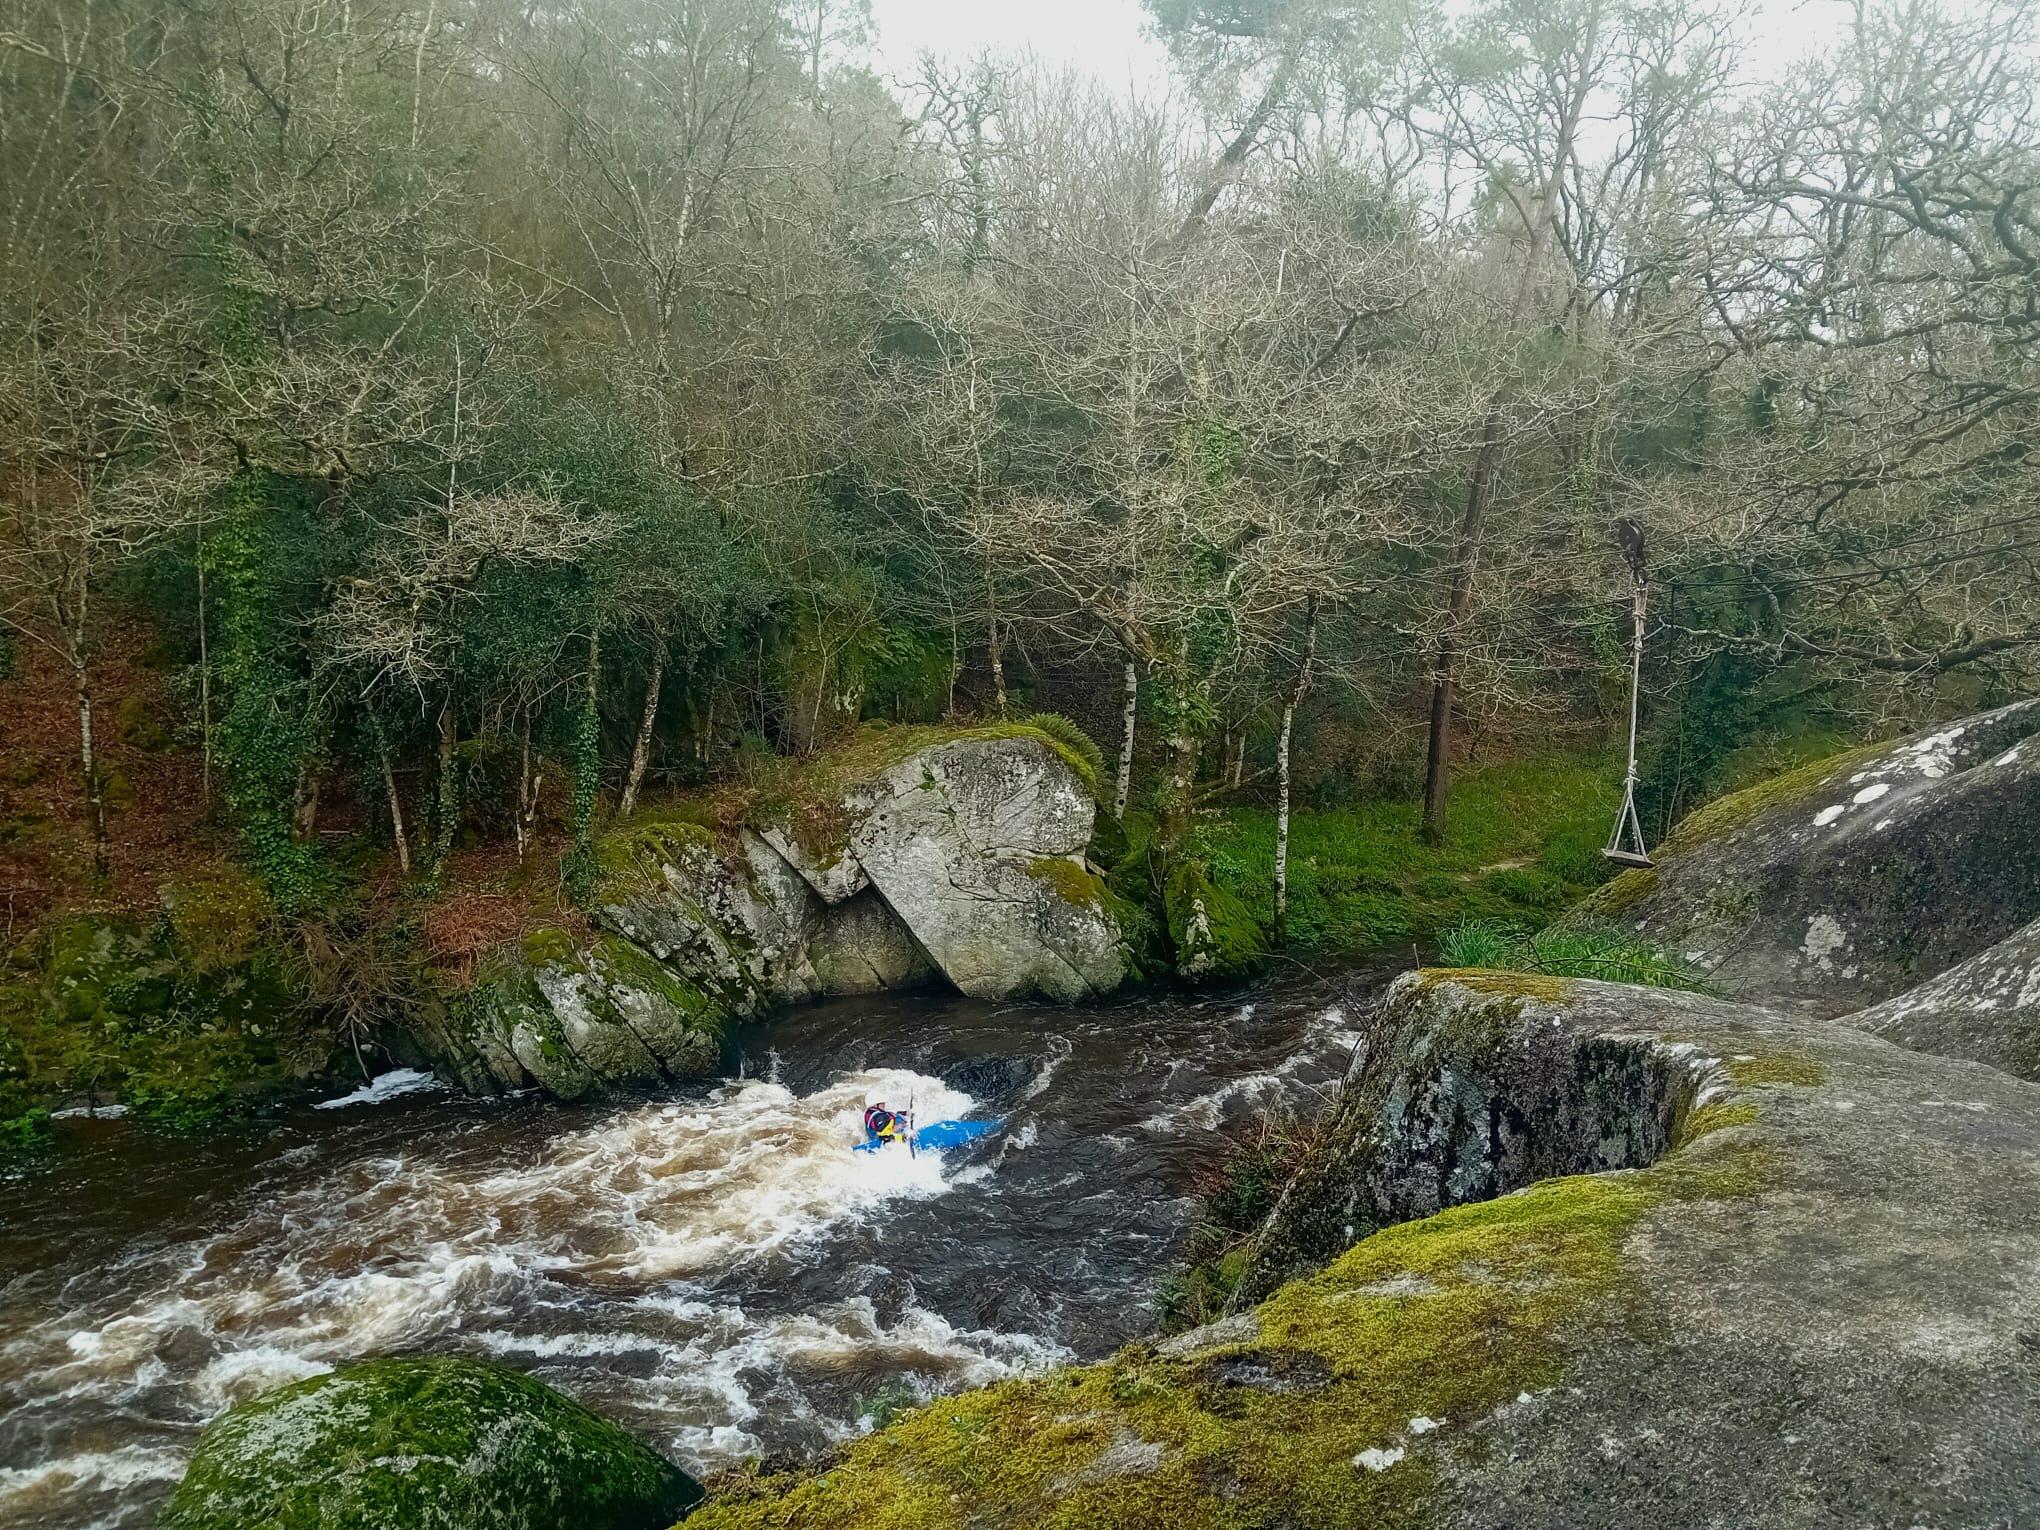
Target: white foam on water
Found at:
22, 1488
427, 1251
385, 1086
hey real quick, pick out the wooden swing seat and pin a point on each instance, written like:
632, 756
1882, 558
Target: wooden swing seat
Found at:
1630, 858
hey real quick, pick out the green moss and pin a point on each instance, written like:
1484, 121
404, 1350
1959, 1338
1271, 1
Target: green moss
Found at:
1777, 1068
139, 727
1445, 1318
549, 947
1715, 1116
1214, 936
1724, 815
1621, 893
403, 1444
632, 856
1075, 883
217, 916
1523, 985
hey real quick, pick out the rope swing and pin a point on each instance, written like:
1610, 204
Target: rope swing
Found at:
1625, 840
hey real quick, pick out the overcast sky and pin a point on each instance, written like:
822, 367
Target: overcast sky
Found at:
1104, 37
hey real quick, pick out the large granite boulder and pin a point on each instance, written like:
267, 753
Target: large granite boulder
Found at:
915, 855
1811, 1297
1986, 1009
423, 1444
977, 845
1852, 880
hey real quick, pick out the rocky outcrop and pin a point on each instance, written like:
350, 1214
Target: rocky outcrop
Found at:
1986, 1009
424, 1444
977, 846
1798, 1286
916, 855
1850, 881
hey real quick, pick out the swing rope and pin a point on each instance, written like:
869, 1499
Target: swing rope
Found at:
1625, 840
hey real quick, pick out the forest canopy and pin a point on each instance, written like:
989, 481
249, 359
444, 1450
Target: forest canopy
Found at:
503, 413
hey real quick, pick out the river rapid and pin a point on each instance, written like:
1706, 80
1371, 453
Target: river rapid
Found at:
714, 1269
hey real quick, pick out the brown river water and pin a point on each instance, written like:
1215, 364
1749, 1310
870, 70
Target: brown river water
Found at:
714, 1267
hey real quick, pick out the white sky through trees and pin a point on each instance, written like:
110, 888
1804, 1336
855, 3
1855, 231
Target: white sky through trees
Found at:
1109, 39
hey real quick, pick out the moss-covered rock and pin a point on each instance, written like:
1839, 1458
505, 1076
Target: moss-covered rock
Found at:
1213, 935
423, 1444
578, 1016
188, 1016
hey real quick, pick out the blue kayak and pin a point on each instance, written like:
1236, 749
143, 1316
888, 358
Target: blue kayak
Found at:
938, 1135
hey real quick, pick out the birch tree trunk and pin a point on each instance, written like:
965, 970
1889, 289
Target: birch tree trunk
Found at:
996, 646
641, 753
1123, 787
1289, 706
389, 776
88, 760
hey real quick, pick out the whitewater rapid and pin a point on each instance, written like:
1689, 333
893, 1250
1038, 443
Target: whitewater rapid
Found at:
718, 1271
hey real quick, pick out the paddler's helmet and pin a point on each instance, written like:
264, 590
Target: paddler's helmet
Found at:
873, 1098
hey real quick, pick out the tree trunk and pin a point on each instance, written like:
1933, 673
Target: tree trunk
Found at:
641, 754
449, 785
997, 647
1486, 461
1124, 786
1289, 706
305, 821
527, 793
587, 755
204, 691
88, 761
389, 776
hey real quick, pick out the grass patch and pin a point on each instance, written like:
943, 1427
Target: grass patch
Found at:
1523, 841
1570, 951
1791, 1068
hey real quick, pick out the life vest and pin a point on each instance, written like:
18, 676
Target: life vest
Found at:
879, 1122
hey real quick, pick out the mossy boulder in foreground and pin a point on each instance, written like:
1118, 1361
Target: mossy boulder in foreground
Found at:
423, 1444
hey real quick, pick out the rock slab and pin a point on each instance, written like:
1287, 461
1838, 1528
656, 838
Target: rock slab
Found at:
1843, 885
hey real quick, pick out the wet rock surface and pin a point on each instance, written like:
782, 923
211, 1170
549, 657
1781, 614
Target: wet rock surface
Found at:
1839, 886
1986, 1009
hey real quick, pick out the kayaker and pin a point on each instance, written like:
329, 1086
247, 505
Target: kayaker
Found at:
882, 1125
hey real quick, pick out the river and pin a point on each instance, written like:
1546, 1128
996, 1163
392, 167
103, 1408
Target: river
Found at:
714, 1269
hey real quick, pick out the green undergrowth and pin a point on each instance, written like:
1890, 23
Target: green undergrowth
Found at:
1570, 950
1446, 1319
1523, 842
